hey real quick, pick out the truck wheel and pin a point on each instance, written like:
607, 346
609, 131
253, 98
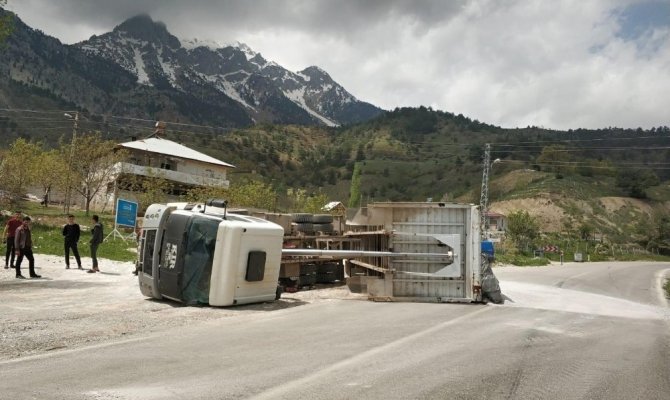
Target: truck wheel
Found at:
304, 227
308, 269
322, 218
307, 280
280, 290
325, 228
327, 268
326, 278
301, 218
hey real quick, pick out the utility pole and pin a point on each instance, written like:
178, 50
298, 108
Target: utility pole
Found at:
68, 188
484, 199
160, 130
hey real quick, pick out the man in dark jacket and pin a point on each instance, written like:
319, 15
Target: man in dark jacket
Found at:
23, 242
96, 239
71, 233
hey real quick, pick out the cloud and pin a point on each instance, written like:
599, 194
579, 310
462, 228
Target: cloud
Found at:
512, 63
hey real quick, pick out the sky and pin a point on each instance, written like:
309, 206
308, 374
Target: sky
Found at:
557, 64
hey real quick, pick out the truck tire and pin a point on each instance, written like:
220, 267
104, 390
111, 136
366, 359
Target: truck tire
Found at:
308, 269
327, 268
325, 228
304, 227
322, 219
326, 278
307, 280
301, 218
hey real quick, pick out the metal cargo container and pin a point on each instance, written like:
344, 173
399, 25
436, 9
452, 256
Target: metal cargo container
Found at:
429, 228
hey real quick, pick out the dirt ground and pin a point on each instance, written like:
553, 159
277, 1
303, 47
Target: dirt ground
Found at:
548, 213
70, 308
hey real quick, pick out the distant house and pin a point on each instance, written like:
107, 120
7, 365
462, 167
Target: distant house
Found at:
496, 221
339, 213
335, 208
155, 157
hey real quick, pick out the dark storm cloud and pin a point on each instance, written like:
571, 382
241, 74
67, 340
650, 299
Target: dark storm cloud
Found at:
321, 17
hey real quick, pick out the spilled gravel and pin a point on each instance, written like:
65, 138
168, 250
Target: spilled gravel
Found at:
71, 308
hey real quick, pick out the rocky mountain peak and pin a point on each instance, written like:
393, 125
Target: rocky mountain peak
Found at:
143, 28
316, 74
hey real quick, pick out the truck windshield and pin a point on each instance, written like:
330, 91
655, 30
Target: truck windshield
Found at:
198, 259
147, 255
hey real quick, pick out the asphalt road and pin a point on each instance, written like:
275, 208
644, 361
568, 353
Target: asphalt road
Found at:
591, 331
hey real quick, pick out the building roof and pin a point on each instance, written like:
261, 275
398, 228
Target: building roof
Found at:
330, 206
174, 149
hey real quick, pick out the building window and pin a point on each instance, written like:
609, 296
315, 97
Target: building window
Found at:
166, 165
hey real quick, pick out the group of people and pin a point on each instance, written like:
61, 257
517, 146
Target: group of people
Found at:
19, 241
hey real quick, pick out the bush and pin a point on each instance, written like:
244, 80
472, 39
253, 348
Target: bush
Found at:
522, 261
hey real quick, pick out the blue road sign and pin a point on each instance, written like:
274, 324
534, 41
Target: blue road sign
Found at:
126, 213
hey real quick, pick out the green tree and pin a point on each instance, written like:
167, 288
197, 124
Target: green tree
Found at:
636, 181
50, 170
17, 171
304, 202
202, 194
585, 231
355, 191
654, 232
6, 23
92, 165
523, 229
253, 193
149, 189
556, 159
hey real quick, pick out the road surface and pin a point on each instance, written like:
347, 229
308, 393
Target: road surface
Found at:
581, 331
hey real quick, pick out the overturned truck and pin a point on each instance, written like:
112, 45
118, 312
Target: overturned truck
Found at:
200, 254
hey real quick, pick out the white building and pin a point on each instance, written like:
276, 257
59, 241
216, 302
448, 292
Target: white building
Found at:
155, 157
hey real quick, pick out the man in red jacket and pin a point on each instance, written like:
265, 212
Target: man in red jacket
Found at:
10, 231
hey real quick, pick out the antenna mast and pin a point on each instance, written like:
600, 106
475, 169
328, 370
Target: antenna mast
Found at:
484, 199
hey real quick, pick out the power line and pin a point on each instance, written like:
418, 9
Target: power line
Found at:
590, 149
522, 144
37, 111
569, 164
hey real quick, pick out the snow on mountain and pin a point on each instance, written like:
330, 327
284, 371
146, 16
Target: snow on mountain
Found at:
246, 50
264, 88
298, 96
190, 44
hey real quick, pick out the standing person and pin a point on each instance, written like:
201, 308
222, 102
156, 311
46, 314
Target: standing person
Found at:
10, 232
24, 248
71, 234
96, 239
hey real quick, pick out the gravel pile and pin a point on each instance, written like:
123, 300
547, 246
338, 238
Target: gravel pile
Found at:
71, 308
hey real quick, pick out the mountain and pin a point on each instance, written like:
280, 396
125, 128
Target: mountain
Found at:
140, 69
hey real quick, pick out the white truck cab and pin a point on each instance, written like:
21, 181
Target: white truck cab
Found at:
198, 254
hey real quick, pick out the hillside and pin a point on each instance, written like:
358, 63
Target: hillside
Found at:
141, 70
567, 204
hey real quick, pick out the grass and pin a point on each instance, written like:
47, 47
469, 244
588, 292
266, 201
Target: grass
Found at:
667, 288
48, 238
522, 261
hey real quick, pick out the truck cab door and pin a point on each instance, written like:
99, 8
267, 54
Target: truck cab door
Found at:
171, 267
